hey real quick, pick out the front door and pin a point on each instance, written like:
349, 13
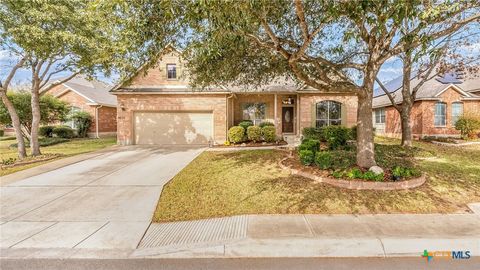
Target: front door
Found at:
287, 119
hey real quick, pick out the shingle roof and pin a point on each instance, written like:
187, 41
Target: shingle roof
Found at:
95, 91
429, 89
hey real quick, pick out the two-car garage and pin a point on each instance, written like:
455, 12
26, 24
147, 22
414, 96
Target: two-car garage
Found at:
177, 127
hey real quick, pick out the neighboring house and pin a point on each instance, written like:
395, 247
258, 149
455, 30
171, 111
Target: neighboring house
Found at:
157, 106
91, 96
440, 102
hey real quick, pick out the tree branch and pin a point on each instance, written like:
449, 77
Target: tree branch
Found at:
60, 81
8, 79
389, 95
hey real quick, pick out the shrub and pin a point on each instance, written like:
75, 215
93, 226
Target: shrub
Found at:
63, 132
468, 125
342, 159
266, 124
245, 124
353, 133
307, 157
82, 120
313, 133
336, 136
46, 131
404, 172
269, 133
2, 132
254, 133
8, 161
310, 144
235, 134
323, 159
368, 175
354, 173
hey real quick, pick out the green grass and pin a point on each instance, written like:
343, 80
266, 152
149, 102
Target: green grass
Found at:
62, 150
220, 184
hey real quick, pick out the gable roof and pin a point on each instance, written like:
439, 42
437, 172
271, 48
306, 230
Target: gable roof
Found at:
431, 89
96, 92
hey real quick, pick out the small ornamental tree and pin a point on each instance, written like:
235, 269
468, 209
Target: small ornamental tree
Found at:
52, 110
82, 121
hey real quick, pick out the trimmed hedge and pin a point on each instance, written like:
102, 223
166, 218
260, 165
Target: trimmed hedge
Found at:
307, 157
266, 124
46, 131
310, 144
245, 124
63, 132
313, 133
254, 133
324, 160
336, 136
236, 134
269, 133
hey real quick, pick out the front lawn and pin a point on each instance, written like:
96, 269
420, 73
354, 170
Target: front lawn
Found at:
220, 184
60, 150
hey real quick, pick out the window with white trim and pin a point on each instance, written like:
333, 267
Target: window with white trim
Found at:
457, 111
171, 71
256, 112
440, 114
328, 113
380, 116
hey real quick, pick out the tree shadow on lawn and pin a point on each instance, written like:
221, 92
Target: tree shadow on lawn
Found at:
294, 194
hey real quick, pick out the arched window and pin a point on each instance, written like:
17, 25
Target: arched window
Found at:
328, 113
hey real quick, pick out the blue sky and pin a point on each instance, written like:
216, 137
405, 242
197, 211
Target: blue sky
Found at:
389, 71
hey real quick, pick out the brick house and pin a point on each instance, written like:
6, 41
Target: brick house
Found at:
440, 101
91, 96
157, 106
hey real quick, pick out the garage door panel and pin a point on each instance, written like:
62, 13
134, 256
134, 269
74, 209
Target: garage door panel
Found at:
173, 128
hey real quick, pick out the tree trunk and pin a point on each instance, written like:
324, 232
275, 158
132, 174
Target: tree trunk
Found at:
34, 144
406, 126
365, 144
22, 153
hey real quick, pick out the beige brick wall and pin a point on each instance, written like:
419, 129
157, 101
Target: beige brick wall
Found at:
157, 74
307, 102
129, 103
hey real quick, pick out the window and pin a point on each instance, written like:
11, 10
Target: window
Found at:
328, 113
171, 71
71, 123
255, 112
457, 111
440, 114
380, 116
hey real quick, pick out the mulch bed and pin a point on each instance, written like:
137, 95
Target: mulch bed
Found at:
293, 161
32, 160
251, 144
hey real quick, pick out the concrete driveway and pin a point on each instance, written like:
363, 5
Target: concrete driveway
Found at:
103, 202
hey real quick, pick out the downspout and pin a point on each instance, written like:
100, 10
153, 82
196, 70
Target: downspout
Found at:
96, 121
228, 115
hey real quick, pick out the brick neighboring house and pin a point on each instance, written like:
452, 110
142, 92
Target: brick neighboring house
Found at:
157, 106
91, 96
440, 101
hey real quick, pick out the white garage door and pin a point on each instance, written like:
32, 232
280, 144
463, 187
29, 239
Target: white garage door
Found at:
173, 127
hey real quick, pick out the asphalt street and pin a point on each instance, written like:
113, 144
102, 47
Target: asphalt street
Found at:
227, 264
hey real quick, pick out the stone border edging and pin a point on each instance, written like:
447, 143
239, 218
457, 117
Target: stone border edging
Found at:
358, 185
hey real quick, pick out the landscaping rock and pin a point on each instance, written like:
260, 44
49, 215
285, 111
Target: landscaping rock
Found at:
376, 169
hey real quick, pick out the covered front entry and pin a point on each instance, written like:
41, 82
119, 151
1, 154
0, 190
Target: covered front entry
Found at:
180, 127
280, 109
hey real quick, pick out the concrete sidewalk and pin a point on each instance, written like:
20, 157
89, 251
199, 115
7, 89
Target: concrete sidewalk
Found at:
388, 235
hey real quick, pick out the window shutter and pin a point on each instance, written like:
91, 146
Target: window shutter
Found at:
344, 114
314, 115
